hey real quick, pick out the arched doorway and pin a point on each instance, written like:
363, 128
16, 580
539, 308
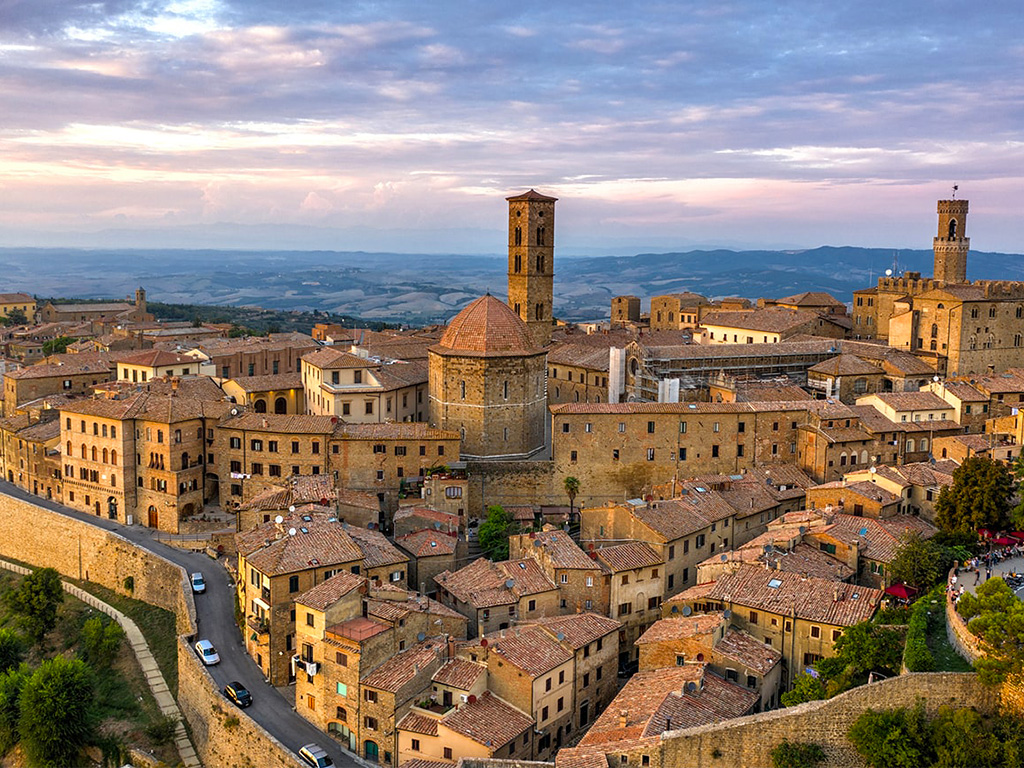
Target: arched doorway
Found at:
154, 517
372, 751
112, 507
280, 405
260, 406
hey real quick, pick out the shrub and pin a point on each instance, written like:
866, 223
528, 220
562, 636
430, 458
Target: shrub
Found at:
161, 730
917, 656
796, 754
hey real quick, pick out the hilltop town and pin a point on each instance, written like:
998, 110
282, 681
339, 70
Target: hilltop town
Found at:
511, 538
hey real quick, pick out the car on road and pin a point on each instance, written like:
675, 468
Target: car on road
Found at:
207, 653
238, 693
198, 583
315, 755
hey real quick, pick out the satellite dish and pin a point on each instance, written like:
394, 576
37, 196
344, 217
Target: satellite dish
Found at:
483, 643
872, 470
560, 635
888, 273
437, 526
675, 609
421, 636
291, 508
727, 614
724, 558
509, 583
291, 531
691, 687
802, 530
234, 411
278, 519
767, 549
687, 610
863, 532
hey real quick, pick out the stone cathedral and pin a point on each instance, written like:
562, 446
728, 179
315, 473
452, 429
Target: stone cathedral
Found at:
962, 328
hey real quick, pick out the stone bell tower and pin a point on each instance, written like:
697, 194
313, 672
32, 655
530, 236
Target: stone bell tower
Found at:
531, 261
952, 244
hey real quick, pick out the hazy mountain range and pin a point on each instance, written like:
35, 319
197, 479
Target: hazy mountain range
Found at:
422, 288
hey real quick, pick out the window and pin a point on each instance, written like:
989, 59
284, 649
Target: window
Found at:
235, 442
625, 609
310, 621
650, 454
295, 447
370, 696
293, 584
532, 605
714, 451
682, 454
371, 722
272, 446
753, 617
815, 631
341, 659
447, 753
316, 447
650, 427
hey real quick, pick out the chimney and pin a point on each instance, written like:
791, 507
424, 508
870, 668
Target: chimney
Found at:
835, 594
623, 718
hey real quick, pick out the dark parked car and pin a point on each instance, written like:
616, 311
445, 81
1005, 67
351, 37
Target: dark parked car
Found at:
238, 693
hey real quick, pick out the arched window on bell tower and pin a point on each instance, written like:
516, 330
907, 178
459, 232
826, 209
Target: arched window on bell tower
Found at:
952, 229
518, 260
519, 237
540, 262
540, 235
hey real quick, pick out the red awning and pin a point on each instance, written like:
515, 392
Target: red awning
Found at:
902, 591
985, 532
1005, 541
1017, 535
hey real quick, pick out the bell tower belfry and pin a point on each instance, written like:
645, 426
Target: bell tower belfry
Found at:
952, 244
531, 261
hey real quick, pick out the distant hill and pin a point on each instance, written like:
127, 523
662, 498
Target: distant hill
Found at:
418, 288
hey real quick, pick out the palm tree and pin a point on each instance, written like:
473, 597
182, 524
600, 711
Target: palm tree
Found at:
572, 487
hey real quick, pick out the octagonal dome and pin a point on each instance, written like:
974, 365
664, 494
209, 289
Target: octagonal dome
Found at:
488, 327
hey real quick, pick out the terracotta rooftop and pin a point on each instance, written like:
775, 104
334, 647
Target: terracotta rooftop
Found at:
578, 629
529, 648
561, 550
282, 423
911, 401
531, 194
964, 392
846, 365
678, 628
629, 556
399, 430
883, 537
459, 673
417, 723
15, 298
156, 358
334, 358
44, 370
812, 599
377, 550
327, 593
398, 671
489, 721
748, 651
484, 584
427, 543
769, 320
487, 327
271, 549
272, 381
811, 299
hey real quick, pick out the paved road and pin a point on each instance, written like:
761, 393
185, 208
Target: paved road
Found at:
216, 618
1013, 565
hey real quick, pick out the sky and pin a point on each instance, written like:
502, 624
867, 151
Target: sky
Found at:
401, 125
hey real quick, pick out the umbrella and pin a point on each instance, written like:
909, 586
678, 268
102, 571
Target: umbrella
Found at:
902, 591
1004, 541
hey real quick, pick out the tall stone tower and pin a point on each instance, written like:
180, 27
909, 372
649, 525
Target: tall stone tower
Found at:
952, 244
531, 261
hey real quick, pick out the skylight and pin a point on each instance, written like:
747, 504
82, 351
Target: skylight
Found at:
775, 583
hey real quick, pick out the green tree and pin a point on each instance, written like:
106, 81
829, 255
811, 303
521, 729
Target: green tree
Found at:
11, 649
962, 739
57, 346
11, 683
979, 497
100, 642
796, 754
994, 614
867, 647
55, 721
805, 688
572, 489
35, 600
920, 562
494, 533
895, 738
16, 317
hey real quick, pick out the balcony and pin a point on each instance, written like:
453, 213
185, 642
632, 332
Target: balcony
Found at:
258, 625
307, 666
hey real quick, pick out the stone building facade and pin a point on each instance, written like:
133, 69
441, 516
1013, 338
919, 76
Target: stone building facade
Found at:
487, 382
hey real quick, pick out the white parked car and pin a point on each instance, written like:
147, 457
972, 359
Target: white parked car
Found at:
207, 653
198, 583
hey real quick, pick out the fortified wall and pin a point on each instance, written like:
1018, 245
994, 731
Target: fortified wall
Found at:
223, 737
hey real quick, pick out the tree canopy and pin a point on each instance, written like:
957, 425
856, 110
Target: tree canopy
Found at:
979, 497
35, 600
494, 533
56, 703
994, 614
921, 563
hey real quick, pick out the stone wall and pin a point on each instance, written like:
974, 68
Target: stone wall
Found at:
510, 483
747, 742
966, 644
223, 734
43, 538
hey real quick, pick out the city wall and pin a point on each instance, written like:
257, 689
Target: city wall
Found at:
747, 742
223, 738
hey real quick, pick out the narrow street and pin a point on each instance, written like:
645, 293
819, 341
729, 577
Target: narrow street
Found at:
215, 617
